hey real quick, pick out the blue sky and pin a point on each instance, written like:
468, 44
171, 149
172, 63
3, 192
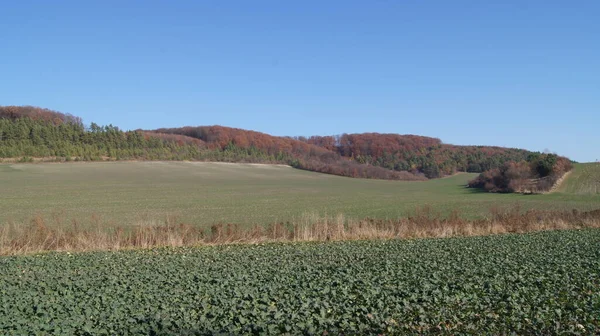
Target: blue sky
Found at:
512, 73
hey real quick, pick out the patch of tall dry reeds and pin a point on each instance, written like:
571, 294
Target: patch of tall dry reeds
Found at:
53, 234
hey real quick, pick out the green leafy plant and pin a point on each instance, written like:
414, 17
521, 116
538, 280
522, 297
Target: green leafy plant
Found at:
543, 283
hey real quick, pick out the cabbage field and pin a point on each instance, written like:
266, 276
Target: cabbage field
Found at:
541, 283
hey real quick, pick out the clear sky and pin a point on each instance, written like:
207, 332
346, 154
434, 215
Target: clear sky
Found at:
517, 73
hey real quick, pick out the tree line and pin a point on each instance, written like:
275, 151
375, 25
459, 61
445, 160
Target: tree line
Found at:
35, 132
298, 154
417, 153
30, 132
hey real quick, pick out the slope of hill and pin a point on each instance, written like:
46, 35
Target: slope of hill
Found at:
206, 193
583, 180
50, 134
35, 132
37, 113
288, 150
412, 152
393, 152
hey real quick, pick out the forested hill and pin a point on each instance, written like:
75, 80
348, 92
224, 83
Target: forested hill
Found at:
27, 132
412, 152
408, 153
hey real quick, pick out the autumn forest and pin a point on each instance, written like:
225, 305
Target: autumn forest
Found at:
28, 132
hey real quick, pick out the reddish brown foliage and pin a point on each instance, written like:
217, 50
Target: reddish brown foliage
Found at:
524, 176
327, 142
417, 153
368, 155
375, 144
179, 139
511, 177
304, 154
349, 168
220, 137
37, 113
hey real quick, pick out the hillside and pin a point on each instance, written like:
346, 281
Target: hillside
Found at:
27, 132
412, 152
291, 151
393, 152
583, 180
207, 193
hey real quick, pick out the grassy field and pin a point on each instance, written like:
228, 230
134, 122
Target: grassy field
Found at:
206, 193
584, 180
531, 284
538, 283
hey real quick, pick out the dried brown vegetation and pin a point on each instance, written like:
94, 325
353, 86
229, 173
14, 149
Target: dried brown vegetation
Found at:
537, 175
52, 234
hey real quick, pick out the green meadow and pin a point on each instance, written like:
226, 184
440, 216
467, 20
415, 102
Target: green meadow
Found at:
583, 180
127, 193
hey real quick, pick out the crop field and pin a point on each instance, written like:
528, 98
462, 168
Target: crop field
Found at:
538, 284
126, 193
584, 180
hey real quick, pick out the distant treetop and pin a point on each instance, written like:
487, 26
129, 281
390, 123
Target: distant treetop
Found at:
38, 113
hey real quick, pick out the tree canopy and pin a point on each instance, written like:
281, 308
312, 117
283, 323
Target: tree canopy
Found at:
35, 132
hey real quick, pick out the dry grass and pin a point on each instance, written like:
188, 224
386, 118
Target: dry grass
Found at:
52, 234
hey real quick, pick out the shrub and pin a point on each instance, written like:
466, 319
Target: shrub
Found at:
538, 175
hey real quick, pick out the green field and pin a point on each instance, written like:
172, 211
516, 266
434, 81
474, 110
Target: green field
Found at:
531, 284
583, 180
205, 193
